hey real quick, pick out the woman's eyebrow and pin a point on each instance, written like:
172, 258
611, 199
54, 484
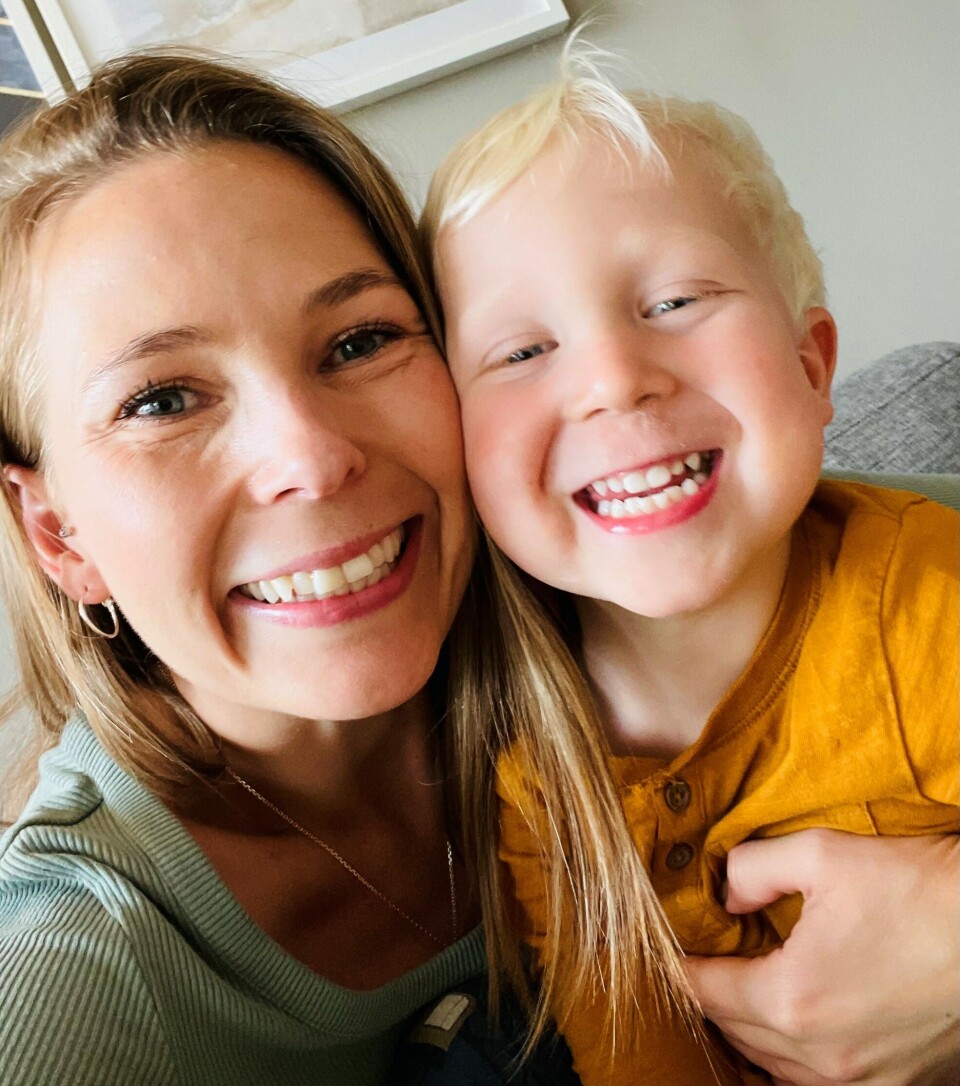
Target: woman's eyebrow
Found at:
165, 341
348, 286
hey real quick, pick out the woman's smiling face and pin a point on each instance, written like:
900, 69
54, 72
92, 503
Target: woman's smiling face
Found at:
242, 402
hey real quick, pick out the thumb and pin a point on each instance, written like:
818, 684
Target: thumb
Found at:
760, 872
729, 989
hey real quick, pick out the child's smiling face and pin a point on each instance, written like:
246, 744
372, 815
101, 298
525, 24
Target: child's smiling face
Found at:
643, 418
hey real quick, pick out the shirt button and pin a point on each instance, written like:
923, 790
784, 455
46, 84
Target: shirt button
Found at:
677, 795
679, 856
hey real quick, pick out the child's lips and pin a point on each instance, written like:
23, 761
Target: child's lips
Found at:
639, 492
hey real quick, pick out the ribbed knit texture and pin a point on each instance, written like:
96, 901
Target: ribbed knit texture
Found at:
125, 960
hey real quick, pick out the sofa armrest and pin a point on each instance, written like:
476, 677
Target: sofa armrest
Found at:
900, 414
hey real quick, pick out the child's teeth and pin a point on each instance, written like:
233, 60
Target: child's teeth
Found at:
658, 475
647, 490
270, 594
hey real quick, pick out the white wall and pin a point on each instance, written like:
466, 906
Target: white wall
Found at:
858, 101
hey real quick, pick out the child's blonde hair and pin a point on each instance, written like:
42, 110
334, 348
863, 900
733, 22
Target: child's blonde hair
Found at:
583, 102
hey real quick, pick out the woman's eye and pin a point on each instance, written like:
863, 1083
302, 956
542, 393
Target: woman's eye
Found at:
361, 344
524, 354
159, 403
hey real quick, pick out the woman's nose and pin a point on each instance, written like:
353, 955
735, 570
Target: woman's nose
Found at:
301, 450
618, 372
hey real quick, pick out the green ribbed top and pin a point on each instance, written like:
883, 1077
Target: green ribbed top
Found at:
125, 960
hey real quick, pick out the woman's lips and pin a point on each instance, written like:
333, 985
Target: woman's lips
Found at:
337, 594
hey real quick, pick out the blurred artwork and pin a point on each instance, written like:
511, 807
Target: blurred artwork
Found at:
263, 26
19, 90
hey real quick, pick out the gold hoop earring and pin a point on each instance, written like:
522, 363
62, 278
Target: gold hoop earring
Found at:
111, 609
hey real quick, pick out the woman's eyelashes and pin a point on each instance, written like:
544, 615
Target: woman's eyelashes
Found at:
362, 343
156, 402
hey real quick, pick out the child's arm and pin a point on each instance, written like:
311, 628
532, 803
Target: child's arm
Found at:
867, 987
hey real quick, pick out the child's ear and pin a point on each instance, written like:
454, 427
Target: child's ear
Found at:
818, 354
58, 555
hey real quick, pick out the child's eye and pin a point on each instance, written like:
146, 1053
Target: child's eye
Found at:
159, 402
360, 344
668, 305
524, 354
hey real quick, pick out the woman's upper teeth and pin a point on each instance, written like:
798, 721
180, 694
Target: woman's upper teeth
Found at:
351, 576
638, 481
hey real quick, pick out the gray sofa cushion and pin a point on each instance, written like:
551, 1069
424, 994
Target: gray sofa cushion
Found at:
900, 414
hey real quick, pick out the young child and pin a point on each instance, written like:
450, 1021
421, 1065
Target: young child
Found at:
636, 327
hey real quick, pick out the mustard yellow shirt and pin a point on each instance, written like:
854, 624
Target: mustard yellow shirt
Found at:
846, 717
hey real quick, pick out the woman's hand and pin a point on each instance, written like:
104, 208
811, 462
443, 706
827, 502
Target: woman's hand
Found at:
867, 987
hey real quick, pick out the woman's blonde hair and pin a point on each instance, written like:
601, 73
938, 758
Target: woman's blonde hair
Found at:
153, 102
583, 102
519, 696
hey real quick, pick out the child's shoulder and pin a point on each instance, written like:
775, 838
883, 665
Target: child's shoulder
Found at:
895, 515
896, 546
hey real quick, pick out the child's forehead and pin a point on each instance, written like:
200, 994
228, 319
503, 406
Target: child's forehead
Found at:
588, 173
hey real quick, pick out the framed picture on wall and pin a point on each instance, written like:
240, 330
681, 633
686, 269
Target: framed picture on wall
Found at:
342, 53
19, 83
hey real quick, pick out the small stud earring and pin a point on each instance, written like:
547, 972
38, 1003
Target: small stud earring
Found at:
66, 531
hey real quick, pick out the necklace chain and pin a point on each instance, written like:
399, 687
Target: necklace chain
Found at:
366, 883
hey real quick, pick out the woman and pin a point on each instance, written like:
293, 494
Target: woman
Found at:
231, 393
219, 388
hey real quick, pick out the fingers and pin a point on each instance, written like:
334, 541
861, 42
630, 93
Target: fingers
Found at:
732, 991
759, 872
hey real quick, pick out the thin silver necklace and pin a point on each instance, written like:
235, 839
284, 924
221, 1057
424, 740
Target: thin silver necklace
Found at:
331, 851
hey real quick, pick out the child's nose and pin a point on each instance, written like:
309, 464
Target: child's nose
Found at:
617, 374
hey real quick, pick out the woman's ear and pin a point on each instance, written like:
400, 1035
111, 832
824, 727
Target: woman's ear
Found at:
818, 354
59, 558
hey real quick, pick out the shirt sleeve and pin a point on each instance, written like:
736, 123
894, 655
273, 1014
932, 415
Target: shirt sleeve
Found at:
920, 618
74, 1007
